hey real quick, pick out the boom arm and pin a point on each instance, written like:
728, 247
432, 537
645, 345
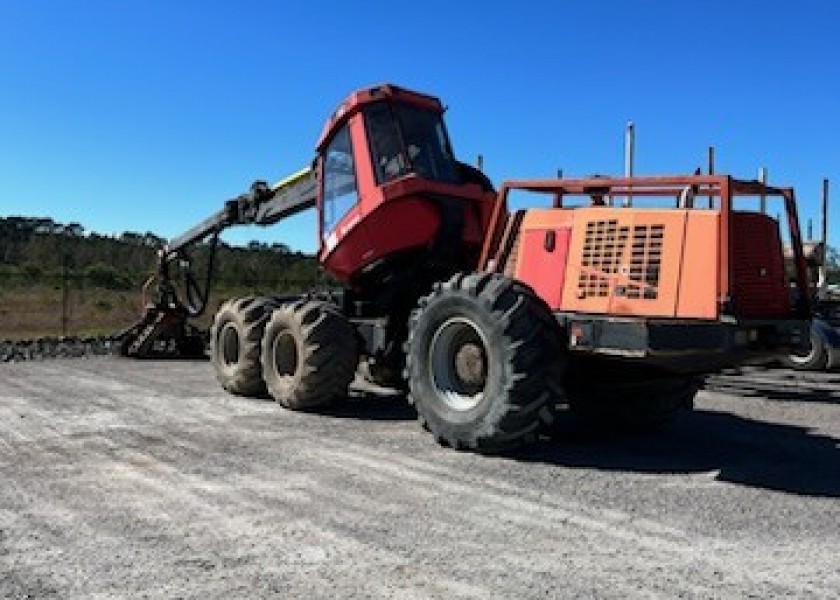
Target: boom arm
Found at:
165, 321
261, 205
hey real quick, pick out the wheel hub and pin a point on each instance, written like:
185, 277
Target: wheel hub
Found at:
285, 354
229, 341
470, 365
458, 363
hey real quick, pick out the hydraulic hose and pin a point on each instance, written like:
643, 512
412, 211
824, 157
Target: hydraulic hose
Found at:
196, 295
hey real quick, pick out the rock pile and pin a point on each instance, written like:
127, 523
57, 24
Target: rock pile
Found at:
57, 347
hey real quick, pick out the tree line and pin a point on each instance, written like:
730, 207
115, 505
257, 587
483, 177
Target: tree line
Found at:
38, 249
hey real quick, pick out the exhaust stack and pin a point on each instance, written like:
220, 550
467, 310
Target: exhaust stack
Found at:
822, 281
629, 155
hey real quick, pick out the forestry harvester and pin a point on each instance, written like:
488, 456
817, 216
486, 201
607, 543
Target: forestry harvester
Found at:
494, 308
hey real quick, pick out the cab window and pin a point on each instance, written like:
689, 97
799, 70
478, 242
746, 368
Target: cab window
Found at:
339, 172
426, 144
389, 161
405, 139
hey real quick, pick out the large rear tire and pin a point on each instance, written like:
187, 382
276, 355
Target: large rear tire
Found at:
235, 344
483, 363
309, 354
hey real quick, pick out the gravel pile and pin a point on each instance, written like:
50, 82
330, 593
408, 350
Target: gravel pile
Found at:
56, 347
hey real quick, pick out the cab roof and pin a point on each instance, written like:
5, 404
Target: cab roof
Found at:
383, 92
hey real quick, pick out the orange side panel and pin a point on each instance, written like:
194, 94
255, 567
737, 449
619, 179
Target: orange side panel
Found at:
699, 284
625, 262
543, 252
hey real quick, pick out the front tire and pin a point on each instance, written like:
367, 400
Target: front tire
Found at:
483, 363
309, 354
235, 339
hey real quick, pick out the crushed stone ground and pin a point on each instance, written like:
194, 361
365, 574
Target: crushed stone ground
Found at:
124, 478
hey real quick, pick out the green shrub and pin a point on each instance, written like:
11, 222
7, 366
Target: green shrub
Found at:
31, 271
108, 277
104, 305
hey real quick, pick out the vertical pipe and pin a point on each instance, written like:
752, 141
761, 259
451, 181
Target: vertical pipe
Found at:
822, 286
629, 155
711, 172
558, 198
825, 214
762, 177
803, 283
479, 162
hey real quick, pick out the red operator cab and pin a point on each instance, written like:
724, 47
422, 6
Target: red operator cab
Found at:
391, 190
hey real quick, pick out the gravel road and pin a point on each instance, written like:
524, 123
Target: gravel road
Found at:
144, 479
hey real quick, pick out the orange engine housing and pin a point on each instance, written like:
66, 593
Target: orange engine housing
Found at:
648, 262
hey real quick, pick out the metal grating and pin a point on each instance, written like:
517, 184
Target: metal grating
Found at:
646, 261
604, 251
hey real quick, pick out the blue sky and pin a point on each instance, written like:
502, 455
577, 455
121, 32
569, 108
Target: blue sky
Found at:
145, 115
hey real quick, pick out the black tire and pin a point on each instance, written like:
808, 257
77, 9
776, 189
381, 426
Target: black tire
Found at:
235, 340
638, 403
483, 363
308, 355
815, 359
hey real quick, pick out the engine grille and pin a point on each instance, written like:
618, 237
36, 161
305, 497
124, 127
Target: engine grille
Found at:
606, 245
646, 261
603, 252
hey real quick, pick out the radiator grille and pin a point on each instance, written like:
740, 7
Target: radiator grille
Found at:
646, 261
606, 245
603, 251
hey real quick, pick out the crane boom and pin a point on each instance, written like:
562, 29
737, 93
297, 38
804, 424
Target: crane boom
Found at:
261, 205
165, 317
